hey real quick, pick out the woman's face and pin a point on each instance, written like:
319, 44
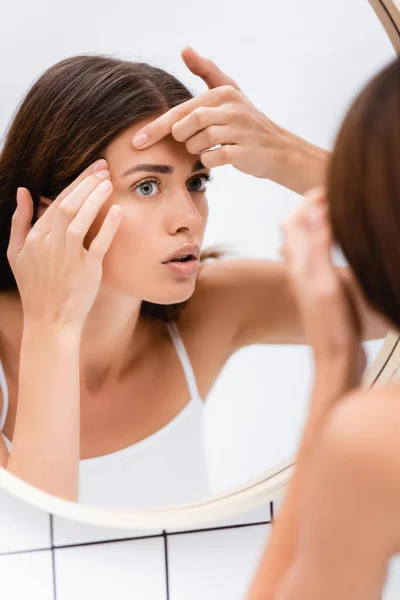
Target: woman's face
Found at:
160, 213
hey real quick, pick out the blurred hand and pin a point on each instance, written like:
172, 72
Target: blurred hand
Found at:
331, 323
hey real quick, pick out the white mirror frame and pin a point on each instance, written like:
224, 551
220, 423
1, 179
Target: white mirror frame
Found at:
258, 491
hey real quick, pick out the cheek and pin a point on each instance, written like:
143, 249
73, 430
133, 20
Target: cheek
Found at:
204, 213
129, 257
129, 232
134, 246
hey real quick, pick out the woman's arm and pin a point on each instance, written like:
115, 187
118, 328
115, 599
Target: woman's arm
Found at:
332, 327
280, 552
302, 165
259, 306
45, 448
350, 508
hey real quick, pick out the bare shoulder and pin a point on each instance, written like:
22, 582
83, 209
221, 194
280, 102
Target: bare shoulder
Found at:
248, 300
379, 398
367, 419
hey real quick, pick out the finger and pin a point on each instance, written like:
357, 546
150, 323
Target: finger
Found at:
48, 216
316, 196
162, 126
205, 68
307, 240
73, 222
20, 224
316, 257
61, 212
225, 155
210, 137
199, 119
101, 243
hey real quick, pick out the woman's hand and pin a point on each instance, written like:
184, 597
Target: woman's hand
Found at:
221, 116
329, 316
57, 278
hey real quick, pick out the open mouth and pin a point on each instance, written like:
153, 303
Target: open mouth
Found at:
185, 266
182, 259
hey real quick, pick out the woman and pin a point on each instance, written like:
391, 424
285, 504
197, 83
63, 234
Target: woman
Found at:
340, 523
92, 302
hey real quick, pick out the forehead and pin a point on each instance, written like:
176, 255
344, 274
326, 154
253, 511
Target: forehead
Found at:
121, 154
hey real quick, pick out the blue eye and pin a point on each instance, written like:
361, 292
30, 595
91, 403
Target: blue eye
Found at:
146, 187
150, 187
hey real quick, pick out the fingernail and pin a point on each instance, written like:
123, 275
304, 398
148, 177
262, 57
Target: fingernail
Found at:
18, 193
140, 139
102, 174
99, 165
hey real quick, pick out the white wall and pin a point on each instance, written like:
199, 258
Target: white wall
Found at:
301, 62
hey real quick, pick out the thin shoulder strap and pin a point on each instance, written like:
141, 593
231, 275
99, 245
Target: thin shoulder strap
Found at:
184, 358
4, 389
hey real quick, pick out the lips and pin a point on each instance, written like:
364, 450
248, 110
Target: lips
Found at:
187, 251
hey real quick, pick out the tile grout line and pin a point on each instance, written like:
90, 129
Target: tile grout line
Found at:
221, 528
130, 539
25, 551
166, 564
110, 541
53, 558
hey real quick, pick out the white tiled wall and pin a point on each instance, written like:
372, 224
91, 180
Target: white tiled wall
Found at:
120, 570
47, 558
27, 575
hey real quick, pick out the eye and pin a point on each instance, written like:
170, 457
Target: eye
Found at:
197, 181
146, 187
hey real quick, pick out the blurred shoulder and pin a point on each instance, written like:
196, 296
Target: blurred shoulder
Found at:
368, 415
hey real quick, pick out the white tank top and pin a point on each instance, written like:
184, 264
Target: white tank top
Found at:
167, 467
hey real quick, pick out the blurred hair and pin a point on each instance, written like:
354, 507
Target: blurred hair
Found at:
363, 191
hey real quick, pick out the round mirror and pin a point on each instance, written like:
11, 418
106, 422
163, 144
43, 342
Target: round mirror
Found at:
132, 419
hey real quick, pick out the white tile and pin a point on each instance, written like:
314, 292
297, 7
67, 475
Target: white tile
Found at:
278, 505
215, 564
27, 575
392, 586
122, 570
22, 527
256, 515
66, 532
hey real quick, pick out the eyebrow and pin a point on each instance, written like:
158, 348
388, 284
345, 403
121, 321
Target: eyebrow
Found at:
162, 169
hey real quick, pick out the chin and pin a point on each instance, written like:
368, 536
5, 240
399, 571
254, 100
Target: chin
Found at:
173, 294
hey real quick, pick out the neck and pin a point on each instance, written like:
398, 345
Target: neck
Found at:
113, 338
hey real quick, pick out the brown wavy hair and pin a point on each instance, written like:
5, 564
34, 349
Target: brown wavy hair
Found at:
66, 121
363, 190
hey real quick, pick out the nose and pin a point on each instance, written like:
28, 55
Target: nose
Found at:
184, 213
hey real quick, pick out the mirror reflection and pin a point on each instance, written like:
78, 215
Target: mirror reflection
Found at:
157, 357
